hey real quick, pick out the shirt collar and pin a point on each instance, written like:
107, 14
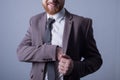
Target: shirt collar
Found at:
58, 16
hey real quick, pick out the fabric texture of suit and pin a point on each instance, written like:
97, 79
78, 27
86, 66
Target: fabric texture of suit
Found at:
78, 43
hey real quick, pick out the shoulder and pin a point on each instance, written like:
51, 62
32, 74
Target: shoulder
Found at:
37, 17
78, 19
83, 23
75, 16
81, 19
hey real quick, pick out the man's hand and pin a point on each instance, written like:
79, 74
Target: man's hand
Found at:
59, 52
65, 65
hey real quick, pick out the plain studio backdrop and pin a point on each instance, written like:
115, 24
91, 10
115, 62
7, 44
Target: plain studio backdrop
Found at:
14, 22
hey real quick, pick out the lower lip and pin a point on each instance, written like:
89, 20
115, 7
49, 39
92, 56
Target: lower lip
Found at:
51, 5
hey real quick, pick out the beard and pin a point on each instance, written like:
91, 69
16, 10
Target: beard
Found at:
53, 8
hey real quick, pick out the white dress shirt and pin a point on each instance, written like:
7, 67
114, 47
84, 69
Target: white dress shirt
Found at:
58, 27
57, 30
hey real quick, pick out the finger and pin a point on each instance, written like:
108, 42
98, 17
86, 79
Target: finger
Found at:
64, 60
61, 66
65, 56
59, 56
62, 70
64, 63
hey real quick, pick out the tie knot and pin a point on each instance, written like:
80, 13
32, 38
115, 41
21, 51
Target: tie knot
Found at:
50, 21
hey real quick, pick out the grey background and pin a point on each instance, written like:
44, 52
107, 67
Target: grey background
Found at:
14, 21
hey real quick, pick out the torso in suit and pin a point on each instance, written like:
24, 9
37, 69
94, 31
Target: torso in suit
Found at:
78, 43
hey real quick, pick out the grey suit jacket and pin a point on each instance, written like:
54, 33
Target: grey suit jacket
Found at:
78, 42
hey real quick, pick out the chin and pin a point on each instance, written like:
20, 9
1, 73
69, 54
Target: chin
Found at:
52, 11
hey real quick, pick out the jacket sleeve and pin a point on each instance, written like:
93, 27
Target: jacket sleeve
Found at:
29, 52
92, 59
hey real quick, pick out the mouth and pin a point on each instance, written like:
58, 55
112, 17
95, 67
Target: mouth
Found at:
52, 4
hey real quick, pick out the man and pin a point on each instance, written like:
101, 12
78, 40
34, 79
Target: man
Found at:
68, 46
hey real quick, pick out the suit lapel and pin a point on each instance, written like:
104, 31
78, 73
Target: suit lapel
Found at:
42, 25
67, 30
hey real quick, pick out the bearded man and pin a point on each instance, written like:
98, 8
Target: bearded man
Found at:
60, 45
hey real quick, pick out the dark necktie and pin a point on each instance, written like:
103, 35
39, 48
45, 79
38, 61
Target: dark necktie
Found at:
47, 40
48, 34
